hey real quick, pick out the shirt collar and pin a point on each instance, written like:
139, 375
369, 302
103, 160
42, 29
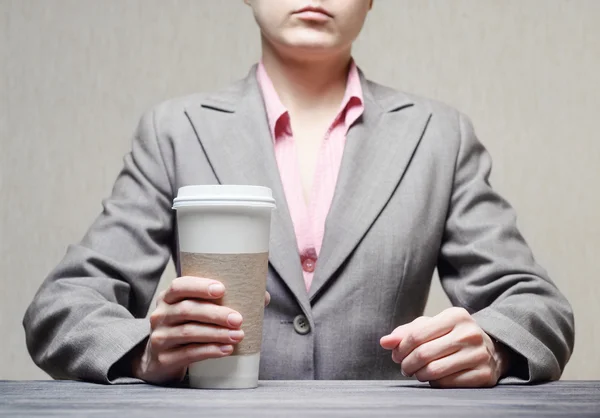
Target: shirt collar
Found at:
353, 98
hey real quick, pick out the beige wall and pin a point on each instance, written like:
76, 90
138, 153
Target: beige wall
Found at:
77, 74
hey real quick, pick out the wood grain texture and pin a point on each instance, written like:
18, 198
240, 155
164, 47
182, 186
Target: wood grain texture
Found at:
299, 399
77, 75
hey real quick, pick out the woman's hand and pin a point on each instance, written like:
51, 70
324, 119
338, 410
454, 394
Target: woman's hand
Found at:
187, 326
449, 350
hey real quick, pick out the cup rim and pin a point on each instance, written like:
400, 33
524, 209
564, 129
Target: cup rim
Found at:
224, 195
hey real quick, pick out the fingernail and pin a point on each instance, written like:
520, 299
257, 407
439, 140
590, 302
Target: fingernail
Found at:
403, 374
236, 335
235, 319
216, 289
226, 349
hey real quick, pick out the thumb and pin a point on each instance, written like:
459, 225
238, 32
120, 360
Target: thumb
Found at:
391, 341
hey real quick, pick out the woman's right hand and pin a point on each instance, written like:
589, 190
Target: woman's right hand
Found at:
187, 326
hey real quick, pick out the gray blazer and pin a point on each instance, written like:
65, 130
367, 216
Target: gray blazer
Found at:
412, 195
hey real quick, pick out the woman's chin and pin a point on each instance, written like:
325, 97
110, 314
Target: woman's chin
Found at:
311, 49
311, 39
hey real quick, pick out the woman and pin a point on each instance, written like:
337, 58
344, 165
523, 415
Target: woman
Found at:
375, 188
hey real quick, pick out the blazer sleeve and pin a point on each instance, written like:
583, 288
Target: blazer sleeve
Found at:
90, 311
486, 267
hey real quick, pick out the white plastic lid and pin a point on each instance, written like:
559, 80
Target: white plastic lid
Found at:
210, 195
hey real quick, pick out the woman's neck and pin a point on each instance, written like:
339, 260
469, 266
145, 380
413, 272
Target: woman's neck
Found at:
301, 85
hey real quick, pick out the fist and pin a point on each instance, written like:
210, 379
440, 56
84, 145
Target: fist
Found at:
448, 350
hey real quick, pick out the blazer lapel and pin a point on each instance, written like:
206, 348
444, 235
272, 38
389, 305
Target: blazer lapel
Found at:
233, 131
378, 149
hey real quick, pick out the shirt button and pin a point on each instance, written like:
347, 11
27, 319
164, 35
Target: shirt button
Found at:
308, 265
309, 260
301, 325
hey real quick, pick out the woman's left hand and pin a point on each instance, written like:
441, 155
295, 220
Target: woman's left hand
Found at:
449, 350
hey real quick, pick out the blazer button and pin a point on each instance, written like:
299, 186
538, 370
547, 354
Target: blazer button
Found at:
301, 325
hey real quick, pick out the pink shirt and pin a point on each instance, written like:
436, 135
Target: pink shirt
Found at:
309, 220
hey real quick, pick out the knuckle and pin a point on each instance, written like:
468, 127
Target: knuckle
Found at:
211, 313
187, 331
433, 371
157, 339
184, 309
477, 337
463, 335
470, 337
175, 286
162, 359
465, 339
156, 317
410, 339
416, 340
420, 355
482, 356
459, 312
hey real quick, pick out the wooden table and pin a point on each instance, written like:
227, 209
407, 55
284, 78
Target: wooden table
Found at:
372, 399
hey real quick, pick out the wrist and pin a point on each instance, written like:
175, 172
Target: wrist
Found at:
129, 365
136, 356
502, 358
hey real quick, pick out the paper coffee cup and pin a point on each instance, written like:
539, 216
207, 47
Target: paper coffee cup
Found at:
223, 233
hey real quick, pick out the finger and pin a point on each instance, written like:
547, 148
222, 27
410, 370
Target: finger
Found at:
198, 311
391, 341
473, 378
436, 327
160, 297
188, 287
267, 299
190, 333
426, 353
185, 355
461, 360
